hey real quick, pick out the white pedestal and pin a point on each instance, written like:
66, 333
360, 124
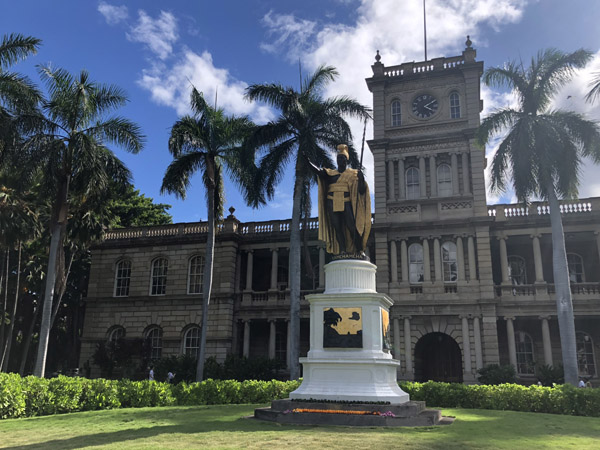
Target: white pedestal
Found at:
366, 373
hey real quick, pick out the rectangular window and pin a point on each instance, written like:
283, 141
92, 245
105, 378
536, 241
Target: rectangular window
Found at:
159, 277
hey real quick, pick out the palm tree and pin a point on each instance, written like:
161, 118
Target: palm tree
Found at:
207, 141
67, 142
17, 93
542, 152
594, 93
306, 130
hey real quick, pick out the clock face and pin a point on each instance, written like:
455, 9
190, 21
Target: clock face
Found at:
424, 106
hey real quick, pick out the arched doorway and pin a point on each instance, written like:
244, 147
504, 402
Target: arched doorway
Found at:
438, 358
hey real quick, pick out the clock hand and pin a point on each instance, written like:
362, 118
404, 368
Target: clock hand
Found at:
430, 103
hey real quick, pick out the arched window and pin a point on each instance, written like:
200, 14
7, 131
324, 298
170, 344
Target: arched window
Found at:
576, 273
412, 183
517, 270
154, 339
116, 333
191, 341
195, 275
158, 284
449, 262
122, 278
415, 263
454, 105
396, 113
444, 180
525, 360
586, 361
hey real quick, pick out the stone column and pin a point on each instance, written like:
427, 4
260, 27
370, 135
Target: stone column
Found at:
288, 343
408, 347
465, 173
422, 177
597, 234
397, 351
249, 271
246, 347
404, 260
546, 340
477, 338
454, 164
503, 259
537, 258
466, 347
390, 177
272, 335
274, 264
393, 262
433, 175
512, 347
401, 180
460, 259
321, 267
472, 262
426, 261
437, 263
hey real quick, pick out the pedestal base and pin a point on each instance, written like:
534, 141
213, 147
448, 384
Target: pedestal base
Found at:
294, 412
370, 380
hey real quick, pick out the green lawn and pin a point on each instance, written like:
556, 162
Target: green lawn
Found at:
227, 427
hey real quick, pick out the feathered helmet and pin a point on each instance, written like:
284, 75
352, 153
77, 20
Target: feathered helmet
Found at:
342, 149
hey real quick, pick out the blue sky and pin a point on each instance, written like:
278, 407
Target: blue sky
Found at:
155, 49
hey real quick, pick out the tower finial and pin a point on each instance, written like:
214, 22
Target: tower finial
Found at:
468, 43
377, 56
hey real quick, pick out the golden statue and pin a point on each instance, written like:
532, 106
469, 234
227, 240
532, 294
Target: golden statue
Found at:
344, 207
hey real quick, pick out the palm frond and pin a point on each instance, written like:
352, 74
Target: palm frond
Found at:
178, 175
16, 47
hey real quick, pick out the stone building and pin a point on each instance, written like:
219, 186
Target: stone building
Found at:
471, 282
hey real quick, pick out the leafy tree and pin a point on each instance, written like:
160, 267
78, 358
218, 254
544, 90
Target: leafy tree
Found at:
208, 141
542, 151
132, 209
307, 128
67, 142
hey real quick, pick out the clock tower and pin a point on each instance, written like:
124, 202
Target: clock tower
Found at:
431, 225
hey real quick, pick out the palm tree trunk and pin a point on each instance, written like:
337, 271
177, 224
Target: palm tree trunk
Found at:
40, 362
62, 291
564, 303
27, 343
294, 263
207, 282
9, 338
5, 302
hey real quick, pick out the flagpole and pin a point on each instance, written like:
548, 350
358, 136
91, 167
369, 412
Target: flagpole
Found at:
425, 29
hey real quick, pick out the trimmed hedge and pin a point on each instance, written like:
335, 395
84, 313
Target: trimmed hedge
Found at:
32, 396
560, 399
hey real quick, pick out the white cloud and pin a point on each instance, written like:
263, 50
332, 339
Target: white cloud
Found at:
170, 86
158, 34
293, 34
113, 14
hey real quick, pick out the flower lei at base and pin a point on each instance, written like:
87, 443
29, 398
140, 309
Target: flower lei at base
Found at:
341, 411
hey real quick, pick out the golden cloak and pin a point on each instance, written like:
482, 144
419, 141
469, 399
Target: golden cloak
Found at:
361, 208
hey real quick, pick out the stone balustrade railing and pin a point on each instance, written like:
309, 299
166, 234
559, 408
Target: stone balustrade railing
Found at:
520, 290
194, 228
431, 65
503, 212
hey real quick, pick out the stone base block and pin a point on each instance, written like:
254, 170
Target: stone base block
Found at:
409, 414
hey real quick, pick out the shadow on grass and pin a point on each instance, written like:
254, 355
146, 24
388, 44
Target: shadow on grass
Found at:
472, 426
